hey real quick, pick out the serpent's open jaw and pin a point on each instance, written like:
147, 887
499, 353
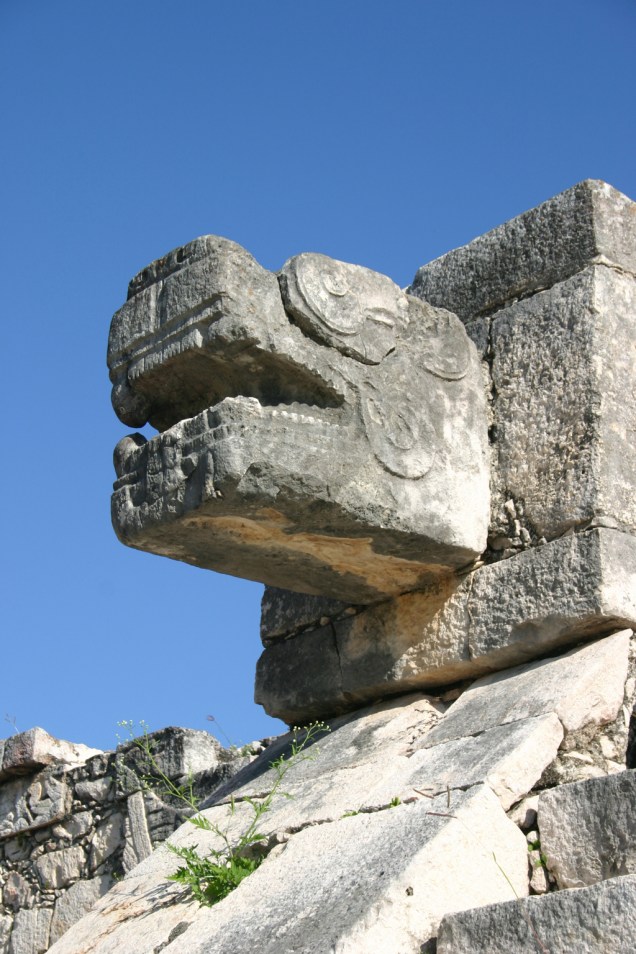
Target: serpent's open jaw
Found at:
320, 430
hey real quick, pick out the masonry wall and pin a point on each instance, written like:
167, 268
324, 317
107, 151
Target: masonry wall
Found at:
74, 820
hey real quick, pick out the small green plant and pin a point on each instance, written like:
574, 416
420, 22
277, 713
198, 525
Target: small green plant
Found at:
539, 860
213, 876
395, 801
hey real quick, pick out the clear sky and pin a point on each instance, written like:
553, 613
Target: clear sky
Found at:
382, 133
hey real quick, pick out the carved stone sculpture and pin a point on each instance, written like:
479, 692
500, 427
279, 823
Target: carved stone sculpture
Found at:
320, 430
334, 436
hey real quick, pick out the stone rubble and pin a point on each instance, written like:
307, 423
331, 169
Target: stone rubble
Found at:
73, 819
362, 805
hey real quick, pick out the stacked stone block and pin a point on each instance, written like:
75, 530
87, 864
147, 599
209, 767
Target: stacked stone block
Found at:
549, 299
73, 820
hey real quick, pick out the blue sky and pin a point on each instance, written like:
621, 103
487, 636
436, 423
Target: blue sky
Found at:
378, 133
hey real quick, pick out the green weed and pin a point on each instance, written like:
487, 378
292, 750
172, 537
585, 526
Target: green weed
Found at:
213, 876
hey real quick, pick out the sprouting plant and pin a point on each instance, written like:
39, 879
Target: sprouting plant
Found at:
211, 877
154, 777
11, 720
212, 718
538, 859
395, 801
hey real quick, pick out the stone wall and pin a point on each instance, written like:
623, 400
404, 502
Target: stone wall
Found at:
74, 820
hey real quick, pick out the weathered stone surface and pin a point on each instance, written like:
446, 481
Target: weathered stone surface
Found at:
352, 309
583, 686
188, 314
556, 331
28, 751
55, 819
74, 827
385, 879
75, 902
107, 839
60, 868
524, 814
94, 790
284, 613
369, 760
379, 754
591, 920
137, 838
16, 892
6, 923
30, 803
594, 750
385, 385
564, 412
30, 934
543, 599
588, 829
589, 223
179, 753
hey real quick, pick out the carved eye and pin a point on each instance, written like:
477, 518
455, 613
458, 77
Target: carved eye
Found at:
401, 436
344, 306
335, 285
445, 344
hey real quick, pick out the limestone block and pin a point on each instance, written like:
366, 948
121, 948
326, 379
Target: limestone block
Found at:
564, 412
14, 811
588, 921
107, 839
380, 738
190, 314
30, 934
16, 892
284, 613
584, 686
94, 790
559, 283
342, 452
16, 849
500, 615
589, 223
385, 879
31, 802
524, 814
377, 755
74, 903
6, 923
588, 829
178, 753
74, 827
509, 759
57, 869
136, 836
27, 752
